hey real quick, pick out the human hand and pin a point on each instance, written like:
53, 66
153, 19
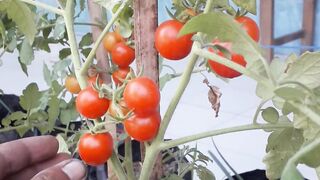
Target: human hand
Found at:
36, 158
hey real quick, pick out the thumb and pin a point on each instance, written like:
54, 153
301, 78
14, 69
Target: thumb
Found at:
66, 170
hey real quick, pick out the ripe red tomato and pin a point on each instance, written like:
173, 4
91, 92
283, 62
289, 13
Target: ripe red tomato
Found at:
110, 40
90, 105
142, 95
95, 149
250, 27
122, 55
168, 44
72, 85
120, 74
143, 128
223, 70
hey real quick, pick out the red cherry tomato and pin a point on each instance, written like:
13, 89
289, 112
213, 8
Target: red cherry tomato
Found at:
119, 75
168, 44
223, 70
95, 149
143, 128
122, 55
110, 40
142, 95
90, 105
250, 27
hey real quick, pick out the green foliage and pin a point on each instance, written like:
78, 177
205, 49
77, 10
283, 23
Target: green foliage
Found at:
30, 97
270, 115
26, 53
249, 5
282, 144
69, 112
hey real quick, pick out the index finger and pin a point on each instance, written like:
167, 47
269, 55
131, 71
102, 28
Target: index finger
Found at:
16, 155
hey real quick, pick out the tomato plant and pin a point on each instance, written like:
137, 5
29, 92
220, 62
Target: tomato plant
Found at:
95, 149
167, 42
122, 106
143, 128
93, 80
120, 75
122, 55
90, 105
111, 39
250, 26
142, 95
72, 85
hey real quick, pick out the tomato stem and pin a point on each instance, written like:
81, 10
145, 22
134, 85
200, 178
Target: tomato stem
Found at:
116, 166
183, 140
256, 114
128, 161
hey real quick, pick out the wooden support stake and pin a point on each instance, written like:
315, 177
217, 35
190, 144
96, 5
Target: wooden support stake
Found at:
309, 13
267, 25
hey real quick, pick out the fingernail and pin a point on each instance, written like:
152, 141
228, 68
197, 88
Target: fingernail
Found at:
75, 169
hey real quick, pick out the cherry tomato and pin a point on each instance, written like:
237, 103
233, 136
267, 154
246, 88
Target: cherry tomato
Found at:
223, 70
92, 81
142, 95
110, 40
122, 107
143, 128
95, 149
119, 75
90, 105
122, 55
168, 44
72, 85
250, 27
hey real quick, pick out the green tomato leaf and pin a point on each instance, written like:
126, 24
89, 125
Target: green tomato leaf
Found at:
70, 113
305, 70
30, 97
26, 52
21, 130
249, 5
226, 29
18, 115
47, 74
277, 68
42, 43
21, 14
86, 40
12, 44
63, 146
23, 67
282, 145
173, 177
164, 79
53, 111
59, 29
290, 172
64, 53
287, 108
290, 93
270, 115
204, 173
2, 31
86, 51
108, 4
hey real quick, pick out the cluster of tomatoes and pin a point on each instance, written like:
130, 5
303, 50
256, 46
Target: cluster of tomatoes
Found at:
172, 47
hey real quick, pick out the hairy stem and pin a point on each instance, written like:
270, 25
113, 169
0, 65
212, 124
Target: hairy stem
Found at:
68, 17
116, 166
92, 53
128, 159
44, 6
183, 140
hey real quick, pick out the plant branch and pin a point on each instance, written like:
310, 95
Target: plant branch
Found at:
12, 128
116, 166
128, 158
88, 24
315, 117
183, 140
92, 53
256, 114
44, 6
68, 17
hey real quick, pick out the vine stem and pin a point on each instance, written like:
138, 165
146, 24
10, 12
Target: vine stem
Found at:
12, 128
315, 117
44, 6
183, 140
128, 161
92, 53
116, 166
256, 114
68, 17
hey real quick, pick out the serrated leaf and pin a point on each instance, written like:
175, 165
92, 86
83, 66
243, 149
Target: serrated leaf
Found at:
23, 67
12, 44
282, 145
305, 70
277, 68
30, 97
59, 29
21, 130
204, 173
53, 112
224, 27
86, 40
108, 4
47, 74
20, 13
26, 52
46, 32
270, 115
69, 114
63, 146
291, 173
164, 79
38, 116
287, 108
86, 51
56, 88
63, 53
42, 43
249, 5
264, 92
60, 69
290, 93
18, 115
